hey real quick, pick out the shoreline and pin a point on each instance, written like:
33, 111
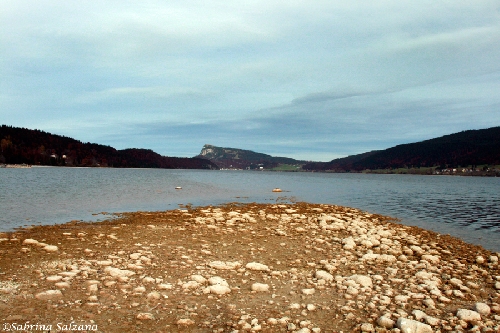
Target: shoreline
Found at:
478, 173
263, 267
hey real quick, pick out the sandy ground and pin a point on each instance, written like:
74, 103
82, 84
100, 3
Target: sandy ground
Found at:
248, 268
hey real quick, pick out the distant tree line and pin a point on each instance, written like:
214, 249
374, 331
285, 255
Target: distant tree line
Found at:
35, 147
467, 148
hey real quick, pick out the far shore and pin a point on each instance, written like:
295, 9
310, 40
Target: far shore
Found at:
246, 267
400, 171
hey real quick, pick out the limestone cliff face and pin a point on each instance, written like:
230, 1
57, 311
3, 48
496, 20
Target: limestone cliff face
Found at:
218, 153
241, 158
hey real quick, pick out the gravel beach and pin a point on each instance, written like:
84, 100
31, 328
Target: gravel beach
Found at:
246, 268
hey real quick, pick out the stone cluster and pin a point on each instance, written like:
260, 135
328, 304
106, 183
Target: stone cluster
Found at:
249, 268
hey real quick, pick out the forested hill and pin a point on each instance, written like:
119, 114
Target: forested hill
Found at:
244, 159
467, 148
35, 147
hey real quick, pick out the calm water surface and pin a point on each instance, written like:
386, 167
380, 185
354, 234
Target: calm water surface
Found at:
465, 207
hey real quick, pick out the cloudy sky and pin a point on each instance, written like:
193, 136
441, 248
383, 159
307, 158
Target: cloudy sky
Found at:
314, 80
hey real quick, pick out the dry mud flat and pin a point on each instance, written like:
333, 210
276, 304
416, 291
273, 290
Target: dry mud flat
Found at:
246, 268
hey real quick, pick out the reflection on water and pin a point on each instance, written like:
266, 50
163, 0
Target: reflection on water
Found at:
465, 207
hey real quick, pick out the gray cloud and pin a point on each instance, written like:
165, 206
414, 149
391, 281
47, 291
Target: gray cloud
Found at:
312, 80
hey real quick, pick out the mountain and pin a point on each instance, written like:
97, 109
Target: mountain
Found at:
35, 147
466, 148
233, 158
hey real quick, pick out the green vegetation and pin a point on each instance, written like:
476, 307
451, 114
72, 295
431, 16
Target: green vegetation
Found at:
288, 167
403, 171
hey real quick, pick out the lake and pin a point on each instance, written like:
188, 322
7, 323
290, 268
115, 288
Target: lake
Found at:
465, 207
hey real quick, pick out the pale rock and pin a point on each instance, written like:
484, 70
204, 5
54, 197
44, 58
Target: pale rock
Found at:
257, 328
283, 321
54, 278
49, 295
30, 241
260, 287
272, 321
348, 243
363, 280
219, 290
246, 326
217, 280
456, 282
148, 279
91, 282
430, 258
324, 275
69, 274
154, 295
310, 291
432, 320
109, 283
418, 314
92, 304
391, 271
424, 275
472, 285
429, 302
62, 285
135, 266
385, 322
412, 326
370, 256
294, 306
140, 290
190, 285
116, 272
468, 315
417, 249
198, 278
227, 265
388, 258
50, 248
145, 316
311, 307
104, 263
164, 286
480, 260
497, 285
482, 308
135, 256
352, 291
444, 299
255, 266
367, 327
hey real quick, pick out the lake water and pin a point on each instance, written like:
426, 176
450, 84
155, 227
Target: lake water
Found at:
465, 207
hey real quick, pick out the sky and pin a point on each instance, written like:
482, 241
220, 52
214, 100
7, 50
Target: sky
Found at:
312, 80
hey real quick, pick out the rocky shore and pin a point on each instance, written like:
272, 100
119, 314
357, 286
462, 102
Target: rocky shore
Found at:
246, 268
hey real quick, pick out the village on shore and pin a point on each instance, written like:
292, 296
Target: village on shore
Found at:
247, 268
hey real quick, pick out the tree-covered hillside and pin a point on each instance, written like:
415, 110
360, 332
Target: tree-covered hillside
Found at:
467, 148
35, 147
